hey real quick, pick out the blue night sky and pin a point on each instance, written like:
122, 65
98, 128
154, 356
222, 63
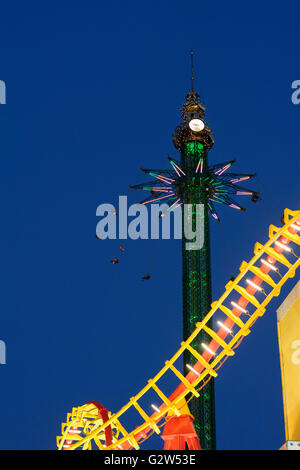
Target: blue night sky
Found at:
94, 92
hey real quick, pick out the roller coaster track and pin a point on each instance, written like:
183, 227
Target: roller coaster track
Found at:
243, 302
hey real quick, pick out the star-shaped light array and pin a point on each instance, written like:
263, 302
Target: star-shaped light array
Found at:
215, 182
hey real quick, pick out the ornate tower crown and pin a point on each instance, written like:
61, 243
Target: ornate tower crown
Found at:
192, 107
192, 177
193, 127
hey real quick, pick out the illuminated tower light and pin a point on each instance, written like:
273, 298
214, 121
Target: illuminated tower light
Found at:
196, 125
158, 175
174, 203
192, 369
174, 166
175, 207
160, 190
224, 327
239, 307
220, 184
172, 207
165, 180
178, 168
155, 188
200, 163
236, 180
208, 349
156, 199
220, 171
234, 206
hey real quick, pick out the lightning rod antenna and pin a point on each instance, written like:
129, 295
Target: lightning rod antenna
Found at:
192, 69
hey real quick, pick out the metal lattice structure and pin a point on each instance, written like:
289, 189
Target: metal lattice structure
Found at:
189, 183
228, 321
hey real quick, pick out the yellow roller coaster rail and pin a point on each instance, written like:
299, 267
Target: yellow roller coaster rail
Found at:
244, 300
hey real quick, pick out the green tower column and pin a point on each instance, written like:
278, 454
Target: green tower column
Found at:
191, 182
197, 288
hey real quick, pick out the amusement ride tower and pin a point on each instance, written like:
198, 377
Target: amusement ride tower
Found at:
192, 183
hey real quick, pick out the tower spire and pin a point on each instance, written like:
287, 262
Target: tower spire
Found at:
192, 69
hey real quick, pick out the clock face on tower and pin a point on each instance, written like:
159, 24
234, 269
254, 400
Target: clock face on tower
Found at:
196, 125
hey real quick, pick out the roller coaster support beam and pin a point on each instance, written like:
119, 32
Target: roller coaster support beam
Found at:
178, 432
103, 413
